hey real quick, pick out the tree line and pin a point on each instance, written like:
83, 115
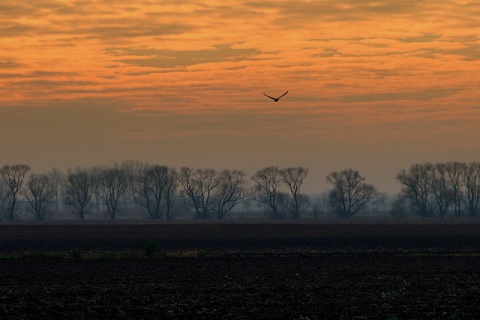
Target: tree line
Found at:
428, 190
439, 190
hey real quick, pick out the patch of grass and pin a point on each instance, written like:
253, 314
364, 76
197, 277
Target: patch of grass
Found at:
76, 254
424, 254
40, 255
188, 253
194, 253
442, 254
456, 316
389, 294
152, 250
108, 255
126, 254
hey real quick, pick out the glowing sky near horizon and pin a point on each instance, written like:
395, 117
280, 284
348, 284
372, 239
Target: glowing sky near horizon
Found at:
373, 85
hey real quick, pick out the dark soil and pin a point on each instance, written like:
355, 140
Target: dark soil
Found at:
240, 271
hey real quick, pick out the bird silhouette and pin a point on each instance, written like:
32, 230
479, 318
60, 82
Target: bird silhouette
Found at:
275, 99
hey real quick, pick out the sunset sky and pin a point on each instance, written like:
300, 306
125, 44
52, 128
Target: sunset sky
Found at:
373, 85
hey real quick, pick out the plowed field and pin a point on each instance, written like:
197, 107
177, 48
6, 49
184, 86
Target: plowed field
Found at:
328, 270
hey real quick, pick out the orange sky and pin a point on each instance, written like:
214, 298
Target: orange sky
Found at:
374, 85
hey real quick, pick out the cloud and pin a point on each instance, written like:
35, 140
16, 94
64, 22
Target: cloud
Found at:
329, 52
468, 51
46, 73
108, 21
227, 13
13, 29
9, 63
421, 95
12, 9
36, 74
52, 84
293, 13
10, 75
111, 30
159, 58
427, 37
346, 43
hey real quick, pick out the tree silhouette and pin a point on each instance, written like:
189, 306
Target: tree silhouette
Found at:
13, 177
229, 192
150, 188
40, 194
113, 184
472, 189
58, 180
417, 187
442, 191
455, 172
350, 193
198, 188
170, 192
293, 177
267, 181
80, 188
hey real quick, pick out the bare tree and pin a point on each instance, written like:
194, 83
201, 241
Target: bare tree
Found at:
229, 192
79, 192
113, 183
40, 194
293, 178
97, 202
170, 192
442, 192
198, 189
13, 177
267, 181
151, 186
4, 198
133, 169
472, 189
455, 172
58, 180
284, 204
350, 193
417, 186
264, 191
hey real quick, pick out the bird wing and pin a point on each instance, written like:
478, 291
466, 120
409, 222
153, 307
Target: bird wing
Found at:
269, 96
283, 95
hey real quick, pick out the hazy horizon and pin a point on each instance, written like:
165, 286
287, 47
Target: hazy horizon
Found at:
373, 85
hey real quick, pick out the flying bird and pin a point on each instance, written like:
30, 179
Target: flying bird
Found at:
275, 99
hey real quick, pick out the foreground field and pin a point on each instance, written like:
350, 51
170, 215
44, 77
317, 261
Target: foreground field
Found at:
361, 270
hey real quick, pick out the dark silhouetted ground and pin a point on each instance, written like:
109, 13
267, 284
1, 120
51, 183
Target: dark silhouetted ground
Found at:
407, 270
